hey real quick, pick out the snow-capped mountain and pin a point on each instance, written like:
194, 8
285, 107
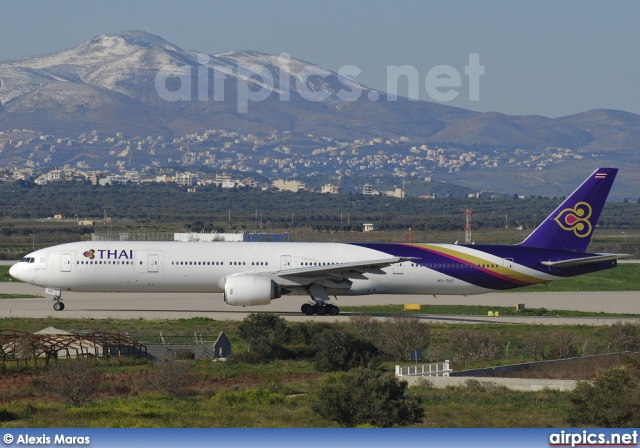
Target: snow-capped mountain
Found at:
116, 83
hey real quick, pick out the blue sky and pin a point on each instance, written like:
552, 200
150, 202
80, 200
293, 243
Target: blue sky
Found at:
544, 57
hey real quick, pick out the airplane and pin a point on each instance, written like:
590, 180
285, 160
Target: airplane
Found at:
257, 273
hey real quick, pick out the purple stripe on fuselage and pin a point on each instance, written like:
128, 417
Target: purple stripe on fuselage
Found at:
485, 278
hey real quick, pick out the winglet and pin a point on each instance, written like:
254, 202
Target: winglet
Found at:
571, 225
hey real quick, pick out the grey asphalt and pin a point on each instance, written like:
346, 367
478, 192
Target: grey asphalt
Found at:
175, 306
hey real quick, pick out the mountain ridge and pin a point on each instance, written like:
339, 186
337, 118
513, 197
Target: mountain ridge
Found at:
128, 62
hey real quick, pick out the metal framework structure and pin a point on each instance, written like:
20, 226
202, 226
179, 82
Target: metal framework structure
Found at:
23, 347
467, 227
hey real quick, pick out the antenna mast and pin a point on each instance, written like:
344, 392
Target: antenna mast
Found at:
467, 228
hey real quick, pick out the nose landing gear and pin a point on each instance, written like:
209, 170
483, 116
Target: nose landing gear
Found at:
58, 305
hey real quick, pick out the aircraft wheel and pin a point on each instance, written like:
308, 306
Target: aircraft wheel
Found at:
58, 306
322, 310
307, 309
334, 310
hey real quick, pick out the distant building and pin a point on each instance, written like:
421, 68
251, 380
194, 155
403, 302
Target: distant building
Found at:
228, 184
51, 176
288, 185
231, 237
397, 193
96, 176
185, 179
368, 189
368, 227
330, 188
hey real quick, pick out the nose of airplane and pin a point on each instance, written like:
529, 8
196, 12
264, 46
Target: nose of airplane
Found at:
13, 271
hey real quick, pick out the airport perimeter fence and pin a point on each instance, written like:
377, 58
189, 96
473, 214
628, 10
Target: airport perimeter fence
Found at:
127, 236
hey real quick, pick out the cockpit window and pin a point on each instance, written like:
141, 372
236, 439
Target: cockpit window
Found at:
28, 260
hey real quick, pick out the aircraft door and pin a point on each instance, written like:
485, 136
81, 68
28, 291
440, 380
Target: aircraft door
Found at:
508, 263
65, 262
154, 263
285, 262
398, 268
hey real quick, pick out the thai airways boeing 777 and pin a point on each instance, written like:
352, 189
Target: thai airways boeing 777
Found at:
257, 273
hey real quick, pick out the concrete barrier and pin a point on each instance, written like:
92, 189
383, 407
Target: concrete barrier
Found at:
510, 383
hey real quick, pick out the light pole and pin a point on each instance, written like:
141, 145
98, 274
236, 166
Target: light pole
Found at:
33, 241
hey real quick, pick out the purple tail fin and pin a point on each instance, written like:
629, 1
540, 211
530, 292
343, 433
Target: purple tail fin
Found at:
571, 225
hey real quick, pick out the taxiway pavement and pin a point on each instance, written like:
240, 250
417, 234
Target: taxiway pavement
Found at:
176, 306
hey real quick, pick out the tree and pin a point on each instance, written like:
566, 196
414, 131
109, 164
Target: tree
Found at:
403, 333
75, 381
339, 350
367, 397
266, 334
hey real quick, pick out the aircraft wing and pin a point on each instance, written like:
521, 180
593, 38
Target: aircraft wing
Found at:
584, 260
332, 270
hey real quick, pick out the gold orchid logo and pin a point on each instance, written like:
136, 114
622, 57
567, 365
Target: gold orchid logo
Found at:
576, 219
91, 254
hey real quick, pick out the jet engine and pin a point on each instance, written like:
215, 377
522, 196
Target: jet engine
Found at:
246, 290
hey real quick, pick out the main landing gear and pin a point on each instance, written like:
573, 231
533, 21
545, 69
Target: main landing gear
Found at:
58, 305
320, 309
320, 305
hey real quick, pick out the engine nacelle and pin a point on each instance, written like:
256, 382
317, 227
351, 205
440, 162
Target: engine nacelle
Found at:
246, 290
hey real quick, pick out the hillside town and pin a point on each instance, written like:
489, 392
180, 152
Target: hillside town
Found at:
280, 160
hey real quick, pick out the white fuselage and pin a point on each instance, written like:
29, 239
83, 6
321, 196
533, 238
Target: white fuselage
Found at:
202, 267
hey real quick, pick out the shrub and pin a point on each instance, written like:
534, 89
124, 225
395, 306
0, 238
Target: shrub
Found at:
590, 347
337, 349
563, 345
75, 381
185, 354
172, 377
7, 416
472, 345
367, 397
625, 336
266, 334
612, 400
534, 344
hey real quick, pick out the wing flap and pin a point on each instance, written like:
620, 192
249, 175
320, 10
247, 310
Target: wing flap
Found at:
336, 270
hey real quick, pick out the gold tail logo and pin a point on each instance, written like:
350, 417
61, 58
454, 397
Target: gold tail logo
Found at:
576, 219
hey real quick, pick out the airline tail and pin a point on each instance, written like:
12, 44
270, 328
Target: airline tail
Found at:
571, 225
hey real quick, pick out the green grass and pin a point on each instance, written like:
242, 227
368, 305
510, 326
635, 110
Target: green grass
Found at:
464, 407
474, 310
273, 404
625, 277
276, 394
4, 274
19, 296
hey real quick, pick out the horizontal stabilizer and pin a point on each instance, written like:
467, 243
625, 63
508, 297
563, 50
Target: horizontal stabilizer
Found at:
583, 260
